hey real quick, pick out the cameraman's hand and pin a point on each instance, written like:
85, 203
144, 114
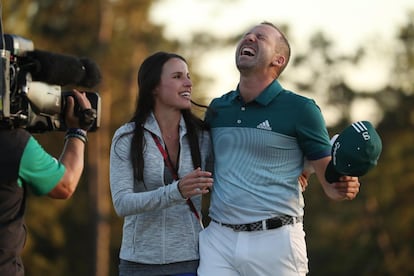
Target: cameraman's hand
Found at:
71, 120
73, 152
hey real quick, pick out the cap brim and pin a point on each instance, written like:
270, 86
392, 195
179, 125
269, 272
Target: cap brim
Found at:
331, 174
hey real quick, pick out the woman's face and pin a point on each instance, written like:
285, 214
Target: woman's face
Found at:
174, 90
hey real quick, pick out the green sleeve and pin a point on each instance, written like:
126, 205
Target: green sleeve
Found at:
38, 169
312, 133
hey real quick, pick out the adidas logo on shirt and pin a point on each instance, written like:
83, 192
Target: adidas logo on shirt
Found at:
264, 125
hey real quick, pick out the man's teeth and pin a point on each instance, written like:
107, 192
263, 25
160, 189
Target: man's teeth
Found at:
247, 51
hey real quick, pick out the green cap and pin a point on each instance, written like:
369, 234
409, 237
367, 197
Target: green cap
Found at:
354, 152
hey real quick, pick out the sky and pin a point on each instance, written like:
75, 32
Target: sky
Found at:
348, 23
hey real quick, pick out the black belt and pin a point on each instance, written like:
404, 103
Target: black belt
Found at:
267, 224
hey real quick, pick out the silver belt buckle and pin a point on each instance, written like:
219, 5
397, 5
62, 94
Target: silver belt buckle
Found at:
264, 224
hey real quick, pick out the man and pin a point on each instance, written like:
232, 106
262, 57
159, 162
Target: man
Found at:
261, 134
24, 163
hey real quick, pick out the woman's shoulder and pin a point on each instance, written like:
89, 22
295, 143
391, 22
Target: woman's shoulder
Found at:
123, 130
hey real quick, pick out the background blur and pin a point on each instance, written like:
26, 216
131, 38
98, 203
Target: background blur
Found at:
359, 66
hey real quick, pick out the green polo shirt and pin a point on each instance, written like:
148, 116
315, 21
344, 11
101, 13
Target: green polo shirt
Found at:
259, 152
39, 170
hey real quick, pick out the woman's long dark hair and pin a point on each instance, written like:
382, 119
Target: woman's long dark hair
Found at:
149, 76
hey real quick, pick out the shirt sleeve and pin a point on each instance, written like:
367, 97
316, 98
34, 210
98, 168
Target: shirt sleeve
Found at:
312, 133
38, 169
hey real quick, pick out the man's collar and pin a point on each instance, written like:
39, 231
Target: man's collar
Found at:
266, 96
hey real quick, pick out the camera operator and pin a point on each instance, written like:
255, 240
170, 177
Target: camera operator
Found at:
25, 164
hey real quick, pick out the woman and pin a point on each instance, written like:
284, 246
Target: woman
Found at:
158, 173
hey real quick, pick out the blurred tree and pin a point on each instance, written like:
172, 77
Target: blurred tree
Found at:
373, 234
63, 238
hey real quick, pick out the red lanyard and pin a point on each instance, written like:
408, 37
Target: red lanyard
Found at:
175, 175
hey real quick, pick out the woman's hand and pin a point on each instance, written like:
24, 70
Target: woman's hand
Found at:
195, 183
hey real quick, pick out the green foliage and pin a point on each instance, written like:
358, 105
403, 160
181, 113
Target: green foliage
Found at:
370, 235
373, 234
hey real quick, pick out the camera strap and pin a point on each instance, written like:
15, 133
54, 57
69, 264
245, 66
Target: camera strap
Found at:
174, 173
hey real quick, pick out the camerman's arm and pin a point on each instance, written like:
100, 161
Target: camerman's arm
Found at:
72, 156
73, 159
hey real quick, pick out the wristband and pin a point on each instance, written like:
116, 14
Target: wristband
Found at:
76, 133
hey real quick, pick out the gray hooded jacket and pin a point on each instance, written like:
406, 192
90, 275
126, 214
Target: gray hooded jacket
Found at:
159, 227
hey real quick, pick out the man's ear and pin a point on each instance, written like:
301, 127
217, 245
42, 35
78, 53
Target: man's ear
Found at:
278, 61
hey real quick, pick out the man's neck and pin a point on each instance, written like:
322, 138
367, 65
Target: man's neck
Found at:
251, 86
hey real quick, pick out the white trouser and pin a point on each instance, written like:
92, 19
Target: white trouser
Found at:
279, 252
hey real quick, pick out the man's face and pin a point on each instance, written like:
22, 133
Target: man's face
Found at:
257, 48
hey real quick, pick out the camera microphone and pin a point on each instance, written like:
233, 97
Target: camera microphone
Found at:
63, 70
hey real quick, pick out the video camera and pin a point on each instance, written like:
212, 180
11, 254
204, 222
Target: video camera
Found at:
31, 81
